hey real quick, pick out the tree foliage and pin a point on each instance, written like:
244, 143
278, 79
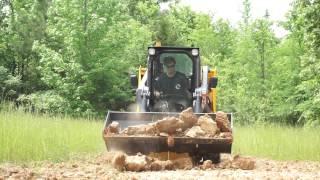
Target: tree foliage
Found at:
305, 24
74, 57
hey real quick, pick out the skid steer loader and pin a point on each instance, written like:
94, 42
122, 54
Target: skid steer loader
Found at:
150, 107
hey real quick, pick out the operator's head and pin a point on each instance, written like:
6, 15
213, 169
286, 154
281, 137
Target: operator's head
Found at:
170, 64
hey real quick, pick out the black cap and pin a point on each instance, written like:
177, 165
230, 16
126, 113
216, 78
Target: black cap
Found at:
169, 60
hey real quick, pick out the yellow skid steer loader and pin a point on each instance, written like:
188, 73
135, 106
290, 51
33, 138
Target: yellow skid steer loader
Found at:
152, 104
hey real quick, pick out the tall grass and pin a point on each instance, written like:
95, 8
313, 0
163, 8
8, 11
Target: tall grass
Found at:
278, 142
30, 137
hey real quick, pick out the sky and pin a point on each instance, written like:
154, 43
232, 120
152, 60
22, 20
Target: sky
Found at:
231, 10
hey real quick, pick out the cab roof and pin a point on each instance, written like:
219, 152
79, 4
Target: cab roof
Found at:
172, 48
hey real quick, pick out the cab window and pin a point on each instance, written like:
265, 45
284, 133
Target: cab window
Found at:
183, 62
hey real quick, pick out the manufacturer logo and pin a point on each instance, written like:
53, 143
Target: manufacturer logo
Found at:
178, 86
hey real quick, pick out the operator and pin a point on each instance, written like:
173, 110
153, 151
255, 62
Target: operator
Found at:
172, 83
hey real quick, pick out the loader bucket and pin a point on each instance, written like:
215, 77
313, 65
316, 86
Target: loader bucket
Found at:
156, 144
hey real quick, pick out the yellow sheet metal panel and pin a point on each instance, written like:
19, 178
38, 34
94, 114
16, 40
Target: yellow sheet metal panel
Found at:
212, 73
213, 91
158, 43
141, 73
214, 99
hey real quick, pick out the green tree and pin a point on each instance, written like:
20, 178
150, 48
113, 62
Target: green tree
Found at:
246, 75
85, 59
22, 22
304, 22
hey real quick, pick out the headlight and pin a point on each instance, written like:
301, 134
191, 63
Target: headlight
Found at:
195, 52
152, 51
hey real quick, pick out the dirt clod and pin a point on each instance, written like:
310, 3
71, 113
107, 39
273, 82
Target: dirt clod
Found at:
136, 163
183, 163
169, 125
114, 127
223, 122
144, 129
226, 135
158, 165
195, 131
207, 164
208, 125
119, 161
244, 163
188, 118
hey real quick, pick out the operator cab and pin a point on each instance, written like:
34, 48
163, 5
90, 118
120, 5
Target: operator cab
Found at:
172, 94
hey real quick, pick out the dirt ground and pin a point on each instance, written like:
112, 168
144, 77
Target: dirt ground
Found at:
101, 168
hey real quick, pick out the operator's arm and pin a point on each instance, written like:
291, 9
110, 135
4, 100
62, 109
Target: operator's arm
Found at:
157, 87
